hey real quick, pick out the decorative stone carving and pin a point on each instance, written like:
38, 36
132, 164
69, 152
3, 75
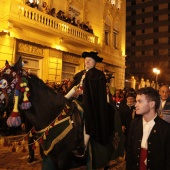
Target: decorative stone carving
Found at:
70, 58
29, 48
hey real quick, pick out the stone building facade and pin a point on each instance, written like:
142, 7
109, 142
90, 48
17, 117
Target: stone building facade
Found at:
52, 48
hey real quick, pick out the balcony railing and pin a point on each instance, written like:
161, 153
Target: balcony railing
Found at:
25, 12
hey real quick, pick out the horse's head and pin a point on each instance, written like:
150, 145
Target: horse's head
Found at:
32, 95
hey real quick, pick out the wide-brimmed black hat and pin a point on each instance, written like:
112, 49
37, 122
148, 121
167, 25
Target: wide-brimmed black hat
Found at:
93, 55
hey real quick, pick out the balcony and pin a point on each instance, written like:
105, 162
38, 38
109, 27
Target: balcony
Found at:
24, 17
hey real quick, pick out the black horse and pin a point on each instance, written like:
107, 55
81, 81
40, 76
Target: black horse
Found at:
50, 113
56, 120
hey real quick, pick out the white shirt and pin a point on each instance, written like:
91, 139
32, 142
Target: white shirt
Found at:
163, 103
147, 127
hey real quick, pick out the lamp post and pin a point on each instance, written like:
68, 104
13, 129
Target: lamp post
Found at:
156, 71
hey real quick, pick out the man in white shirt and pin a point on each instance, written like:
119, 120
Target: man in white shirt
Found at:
149, 136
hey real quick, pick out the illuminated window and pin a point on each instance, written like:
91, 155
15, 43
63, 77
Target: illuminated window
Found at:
107, 30
68, 70
115, 39
116, 35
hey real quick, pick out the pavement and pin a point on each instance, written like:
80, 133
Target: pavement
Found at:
14, 157
17, 160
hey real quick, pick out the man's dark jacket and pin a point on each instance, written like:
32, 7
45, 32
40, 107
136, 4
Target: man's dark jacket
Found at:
94, 101
158, 145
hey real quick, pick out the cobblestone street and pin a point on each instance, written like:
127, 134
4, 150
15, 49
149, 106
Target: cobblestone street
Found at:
18, 160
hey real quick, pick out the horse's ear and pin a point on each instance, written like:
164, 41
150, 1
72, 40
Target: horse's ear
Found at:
6, 62
18, 65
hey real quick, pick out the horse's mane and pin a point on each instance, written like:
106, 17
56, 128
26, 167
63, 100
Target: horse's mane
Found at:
45, 102
41, 87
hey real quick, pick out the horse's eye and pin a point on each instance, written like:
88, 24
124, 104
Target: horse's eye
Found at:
3, 83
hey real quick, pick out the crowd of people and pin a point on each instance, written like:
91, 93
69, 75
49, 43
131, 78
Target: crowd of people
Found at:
62, 16
142, 112
134, 106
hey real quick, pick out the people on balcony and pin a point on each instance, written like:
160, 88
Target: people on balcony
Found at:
61, 15
45, 8
34, 4
78, 23
86, 26
52, 12
73, 21
90, 29
28, 3
68, 18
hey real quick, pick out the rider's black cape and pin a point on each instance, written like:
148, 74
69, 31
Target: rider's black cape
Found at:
94, 100
95, 106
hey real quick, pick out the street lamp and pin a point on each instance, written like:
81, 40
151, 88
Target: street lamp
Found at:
156, 71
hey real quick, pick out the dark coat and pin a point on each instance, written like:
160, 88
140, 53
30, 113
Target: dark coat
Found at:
158, 145
167, 104
126, 112
94, 101
95, 105
126, 116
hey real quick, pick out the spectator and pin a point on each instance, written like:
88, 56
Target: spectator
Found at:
45, 8
3, 113
125, 92
117, 98
73, 21
78, 23
82, 26
34, 4
28, 3
164, 109
91, 30
68, 18
109, 95
86, 26
127, 114
61, 15
52, 12
68, 83
27, 126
